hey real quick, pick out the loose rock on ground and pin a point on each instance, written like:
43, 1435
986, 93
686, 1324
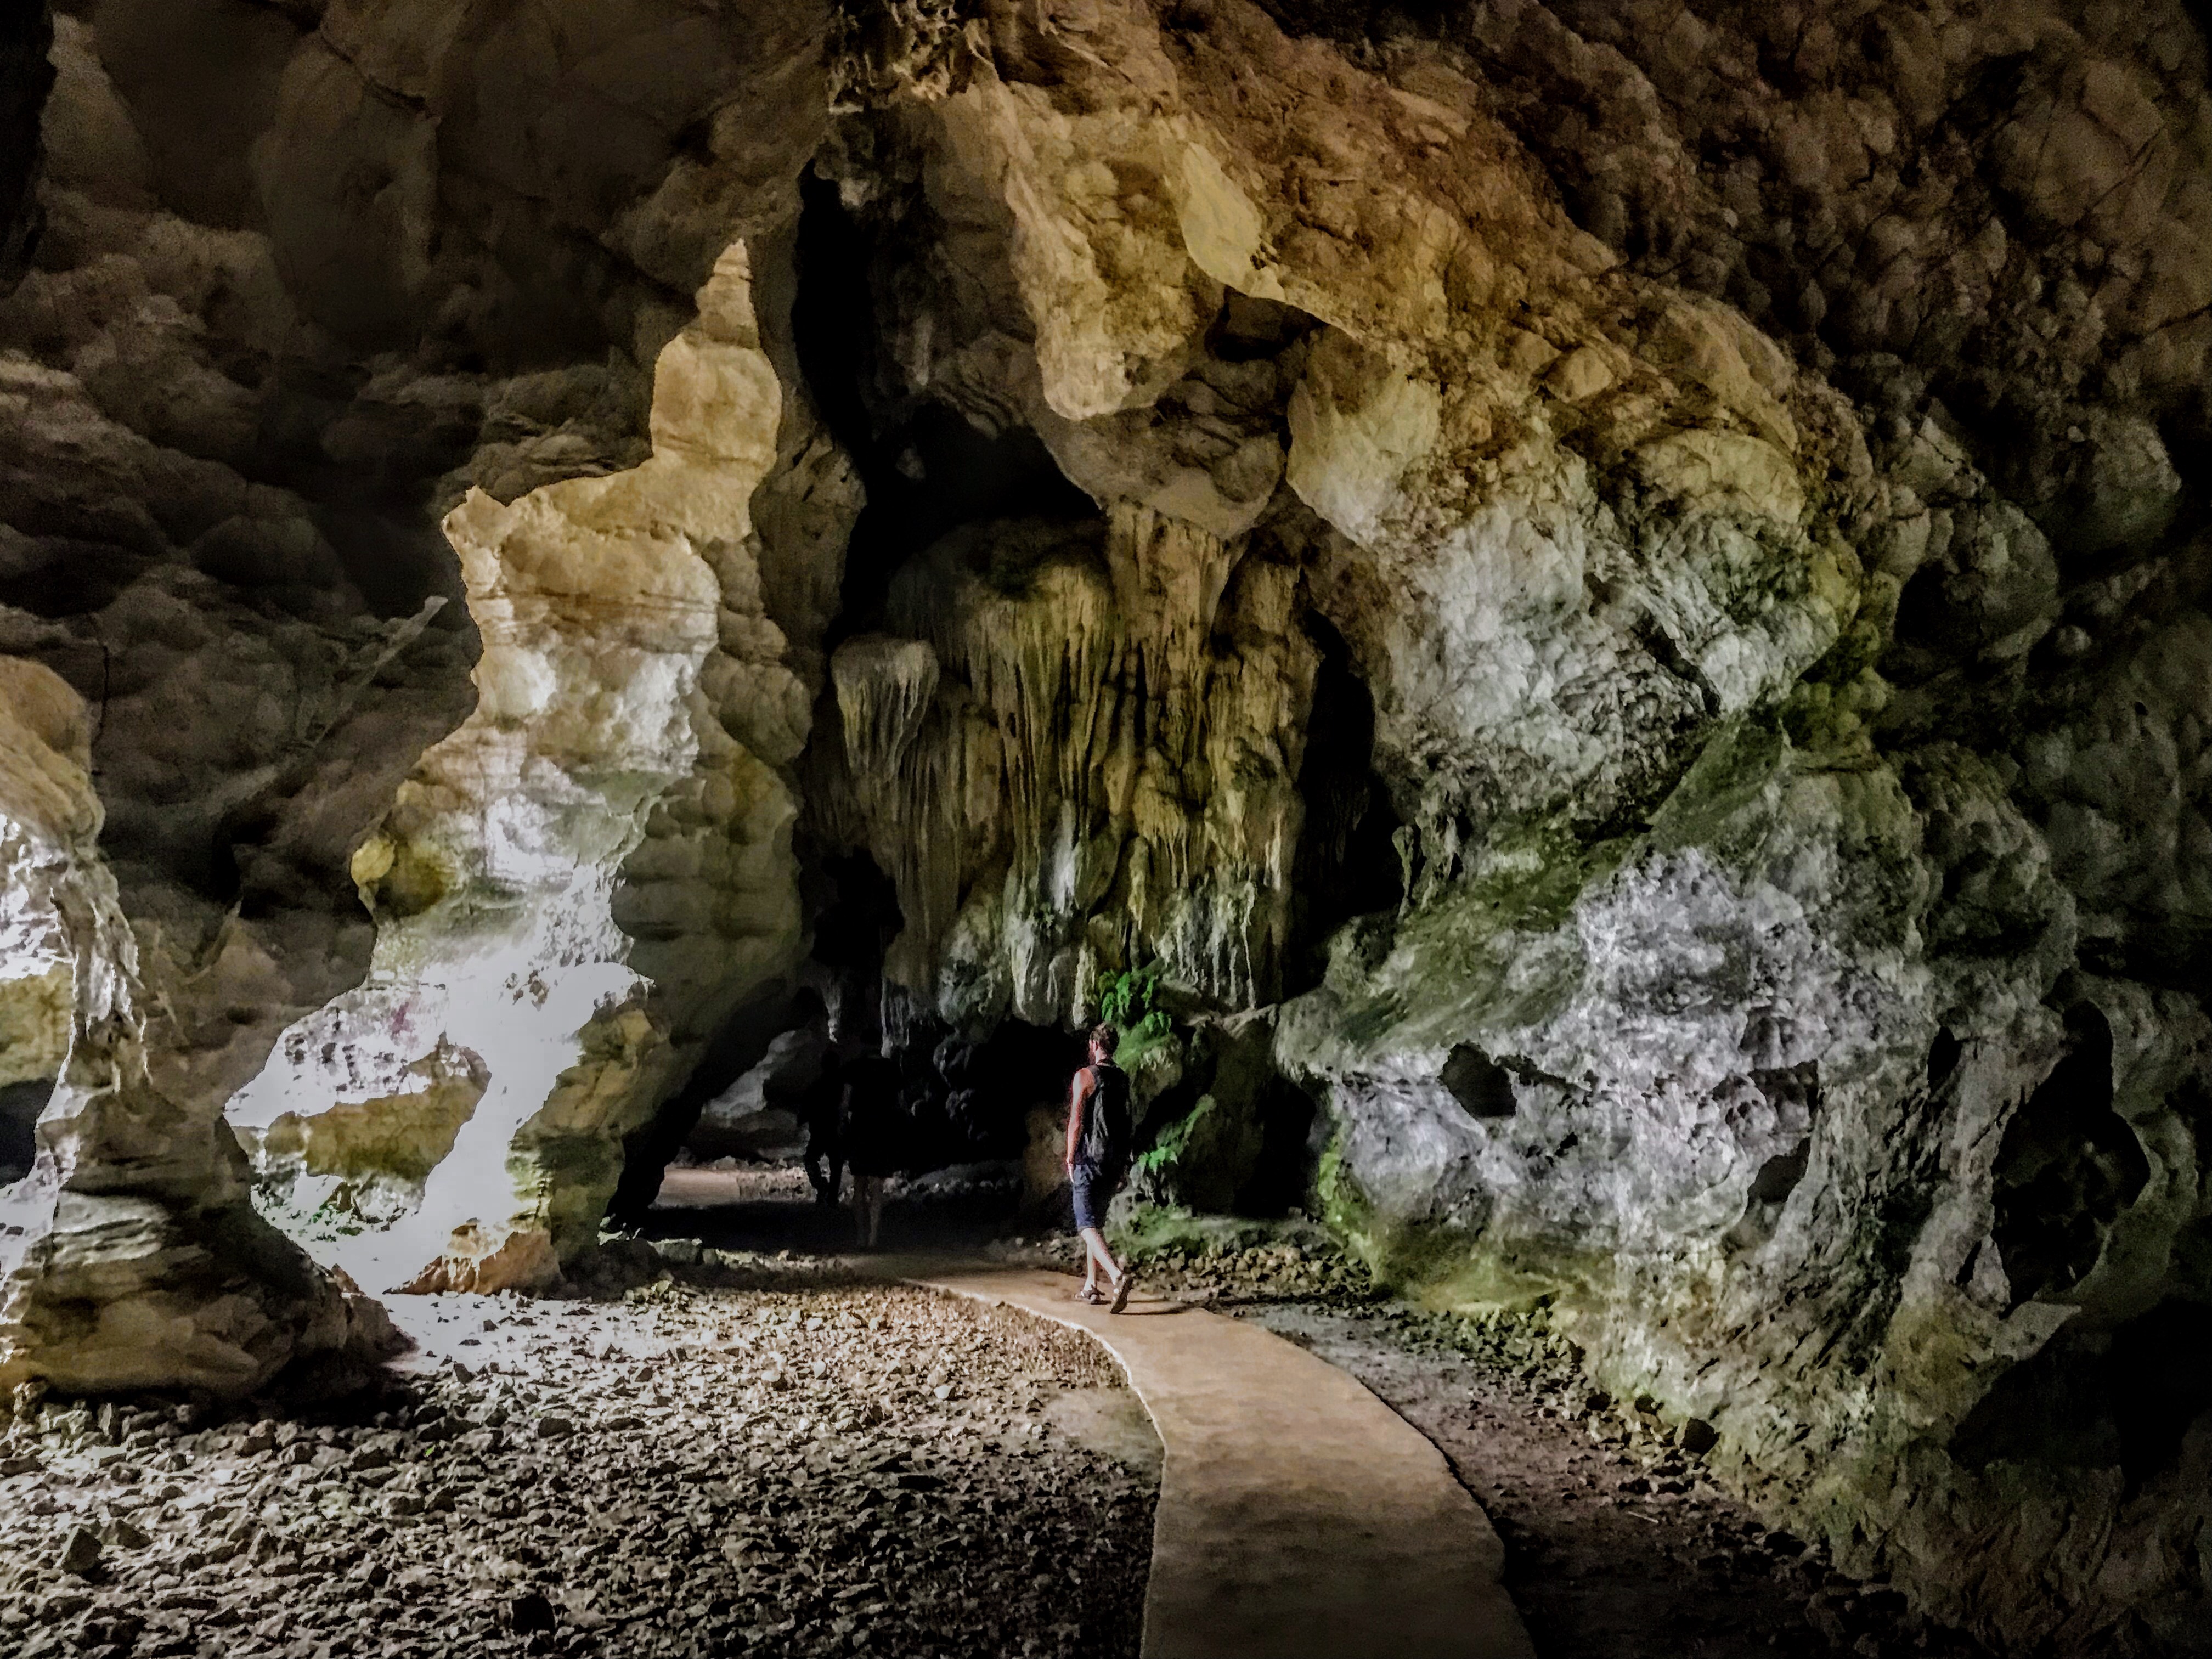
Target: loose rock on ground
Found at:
805, 1467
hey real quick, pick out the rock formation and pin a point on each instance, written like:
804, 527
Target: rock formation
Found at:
1616, 593
257, 355
575, 887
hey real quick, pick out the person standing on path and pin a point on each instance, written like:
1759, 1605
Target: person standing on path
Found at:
872, 1131
1099, 1131
822, 1108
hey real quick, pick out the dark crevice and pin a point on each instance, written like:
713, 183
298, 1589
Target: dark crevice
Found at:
927, 469
26, 76
1794, 1089
20, 1106
1943, 1056
1346, 864
2125, 1398
2067, 1166
1283, 1176
860, 917
1246, 329
1778, 1176
1480, 1084
1652, 635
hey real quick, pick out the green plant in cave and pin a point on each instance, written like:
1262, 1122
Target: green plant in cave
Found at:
1129, 1002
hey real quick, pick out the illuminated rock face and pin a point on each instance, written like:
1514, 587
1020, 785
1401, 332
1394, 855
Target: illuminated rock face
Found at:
1759, 654
239, 391
132, 1256
594, 817
1620, 588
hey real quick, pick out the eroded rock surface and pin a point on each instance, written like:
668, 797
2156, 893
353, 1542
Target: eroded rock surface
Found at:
1616, 592
240, 387
574, 886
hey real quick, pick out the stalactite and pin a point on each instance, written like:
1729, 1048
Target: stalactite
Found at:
885, 689
1081, 751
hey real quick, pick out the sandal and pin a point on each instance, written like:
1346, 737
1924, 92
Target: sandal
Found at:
1090, 1296
1122, 1286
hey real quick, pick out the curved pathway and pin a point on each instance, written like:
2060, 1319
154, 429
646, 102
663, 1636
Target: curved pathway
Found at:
1299, 1516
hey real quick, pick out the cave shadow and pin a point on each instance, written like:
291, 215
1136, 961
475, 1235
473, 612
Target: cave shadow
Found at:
21, 1103
927, 469
1347, 863
958, 1224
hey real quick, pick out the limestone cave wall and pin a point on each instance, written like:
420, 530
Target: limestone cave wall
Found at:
1615, 596
297, 286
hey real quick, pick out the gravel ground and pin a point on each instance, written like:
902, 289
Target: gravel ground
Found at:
777, 1456
778, 1463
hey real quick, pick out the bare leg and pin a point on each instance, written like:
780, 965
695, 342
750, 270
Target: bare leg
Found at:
1097, 1256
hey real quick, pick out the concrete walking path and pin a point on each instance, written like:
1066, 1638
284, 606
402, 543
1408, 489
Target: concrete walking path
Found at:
1299, 1516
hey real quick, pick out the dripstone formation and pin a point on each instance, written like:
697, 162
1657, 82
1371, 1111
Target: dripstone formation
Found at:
1614, 596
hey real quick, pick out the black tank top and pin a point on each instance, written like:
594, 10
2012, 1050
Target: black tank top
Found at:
1104, 1143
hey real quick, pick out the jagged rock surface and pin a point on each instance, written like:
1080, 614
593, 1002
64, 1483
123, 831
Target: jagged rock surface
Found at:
237, 390
130, 1255
594, 867
1776, 591
1636, 573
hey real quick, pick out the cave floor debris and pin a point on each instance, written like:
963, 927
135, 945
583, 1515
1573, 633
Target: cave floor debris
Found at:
805, 1466
1300, 1517
1616, 1547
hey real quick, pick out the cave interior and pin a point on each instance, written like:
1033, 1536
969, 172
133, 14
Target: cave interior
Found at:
1590, 625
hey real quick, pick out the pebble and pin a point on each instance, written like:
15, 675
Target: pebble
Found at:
799, 1467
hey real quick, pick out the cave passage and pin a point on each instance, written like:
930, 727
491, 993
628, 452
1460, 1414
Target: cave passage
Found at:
964, 1124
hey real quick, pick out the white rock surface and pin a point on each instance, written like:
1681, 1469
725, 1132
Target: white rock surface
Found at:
505, 878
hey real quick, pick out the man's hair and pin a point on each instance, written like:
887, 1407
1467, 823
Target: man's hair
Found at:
1107, 1034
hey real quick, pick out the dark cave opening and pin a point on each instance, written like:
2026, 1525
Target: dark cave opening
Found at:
1347, 863
2059, 1407
737, 1046
927, 469
856, 916
2067, 1166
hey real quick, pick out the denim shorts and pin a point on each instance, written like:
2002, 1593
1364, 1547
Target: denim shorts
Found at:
1093, 1189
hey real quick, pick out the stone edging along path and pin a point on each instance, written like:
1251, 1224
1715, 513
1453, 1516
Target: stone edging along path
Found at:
1299, 1516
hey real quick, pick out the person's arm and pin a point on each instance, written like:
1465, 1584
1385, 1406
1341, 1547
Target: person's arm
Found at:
1078, 1098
